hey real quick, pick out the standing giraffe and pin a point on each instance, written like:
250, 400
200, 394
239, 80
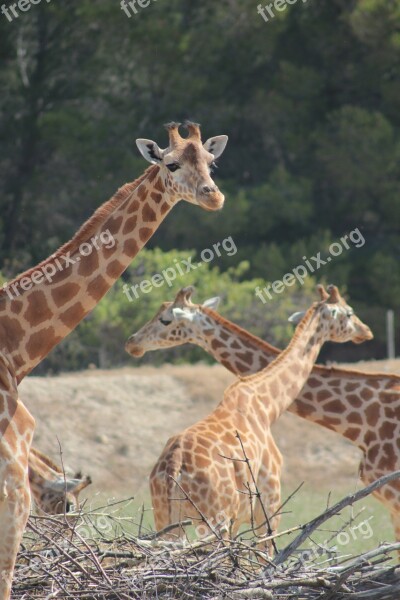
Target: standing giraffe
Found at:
43, 305
51, 490
362, 407
194, 463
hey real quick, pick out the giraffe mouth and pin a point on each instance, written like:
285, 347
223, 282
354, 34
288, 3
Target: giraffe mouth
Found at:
133, 350
212, 202
368, 335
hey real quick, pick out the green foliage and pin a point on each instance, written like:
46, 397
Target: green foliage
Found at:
100, 338
309, 101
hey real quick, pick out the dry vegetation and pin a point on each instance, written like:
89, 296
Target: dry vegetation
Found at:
113, 425
60, 559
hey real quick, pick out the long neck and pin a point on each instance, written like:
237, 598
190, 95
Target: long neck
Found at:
279, 384
43, 305
235, 348
331, 397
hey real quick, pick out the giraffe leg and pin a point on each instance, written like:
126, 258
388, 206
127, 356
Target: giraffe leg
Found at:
14, 490
269, 486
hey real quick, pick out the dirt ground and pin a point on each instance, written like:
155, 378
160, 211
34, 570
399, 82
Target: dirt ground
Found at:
113, 424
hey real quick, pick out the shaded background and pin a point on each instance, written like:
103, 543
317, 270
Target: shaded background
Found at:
310, 101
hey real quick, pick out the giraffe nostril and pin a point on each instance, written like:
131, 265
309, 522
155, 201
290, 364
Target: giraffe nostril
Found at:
206, 189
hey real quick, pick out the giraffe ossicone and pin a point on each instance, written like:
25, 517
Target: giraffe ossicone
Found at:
42, 316
205, 461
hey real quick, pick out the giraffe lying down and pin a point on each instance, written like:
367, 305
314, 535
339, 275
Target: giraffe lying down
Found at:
53, 493
194, 462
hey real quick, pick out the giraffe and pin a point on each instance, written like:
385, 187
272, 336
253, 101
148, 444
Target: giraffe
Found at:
362, 407
205, 462
43, 305
51, 490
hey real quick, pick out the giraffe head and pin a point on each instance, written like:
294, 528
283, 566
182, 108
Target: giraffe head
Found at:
52, 491
337, 318
60, 495
175, 323
186, 165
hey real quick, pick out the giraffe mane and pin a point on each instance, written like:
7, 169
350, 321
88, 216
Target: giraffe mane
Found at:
237, 329
46, 460
264, 345
90, 226
281, 357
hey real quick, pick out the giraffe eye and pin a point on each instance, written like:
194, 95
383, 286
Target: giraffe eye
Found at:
349, 313
165, 322
173, 167
213, 166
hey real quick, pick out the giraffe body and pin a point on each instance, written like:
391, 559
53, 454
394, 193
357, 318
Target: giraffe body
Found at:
37, 312
206, 459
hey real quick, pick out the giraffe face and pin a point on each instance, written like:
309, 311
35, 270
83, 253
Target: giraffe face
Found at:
165, 330
59, 495
175, 323
343, 325
186, 166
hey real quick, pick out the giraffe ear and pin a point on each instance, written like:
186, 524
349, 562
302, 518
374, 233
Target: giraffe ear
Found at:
296, 317
216, 145
212, 303
150, 151
183, 313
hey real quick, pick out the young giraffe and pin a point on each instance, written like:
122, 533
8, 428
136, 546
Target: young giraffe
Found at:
194, 462
52, 492
38, 310
362, 407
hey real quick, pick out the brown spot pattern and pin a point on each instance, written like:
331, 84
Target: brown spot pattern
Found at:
38, 310
148, 214
386, 432
156, 197
98, 287
130, 248
64, 293
159, 185
134, 207
145, 233
16, 306
129, 225
372, 414
12, 332
88, 264
41, 342
313, 383
113, 224
73, 315
114, 269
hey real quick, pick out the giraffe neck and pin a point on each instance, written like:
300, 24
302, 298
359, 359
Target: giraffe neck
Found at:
331, 397
235, 348
279, 384
34, 320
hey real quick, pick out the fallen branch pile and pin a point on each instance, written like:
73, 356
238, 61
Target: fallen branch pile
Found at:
81, 558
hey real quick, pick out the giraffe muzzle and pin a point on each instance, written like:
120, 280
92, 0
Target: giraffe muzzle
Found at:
211, 198
133, 349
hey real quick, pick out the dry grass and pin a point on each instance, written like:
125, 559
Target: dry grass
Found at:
114, 424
